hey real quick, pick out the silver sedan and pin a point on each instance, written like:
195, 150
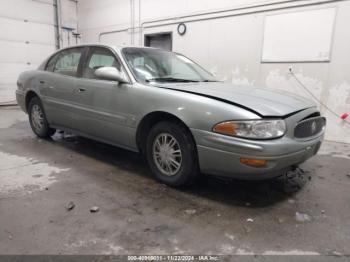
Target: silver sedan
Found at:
167, 107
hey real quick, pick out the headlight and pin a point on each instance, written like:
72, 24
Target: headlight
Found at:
254, 129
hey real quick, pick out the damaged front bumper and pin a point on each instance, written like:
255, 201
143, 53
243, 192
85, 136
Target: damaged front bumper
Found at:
221, 155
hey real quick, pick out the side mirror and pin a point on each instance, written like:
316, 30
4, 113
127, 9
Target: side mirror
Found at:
110, 73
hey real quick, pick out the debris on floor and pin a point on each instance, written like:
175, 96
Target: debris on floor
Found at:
70, 206
190, 211
291, 201
138, 215
94, 209
247, 229
301, 217
250, 220
230, 236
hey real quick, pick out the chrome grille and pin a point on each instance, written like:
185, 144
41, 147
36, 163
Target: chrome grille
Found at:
309, 127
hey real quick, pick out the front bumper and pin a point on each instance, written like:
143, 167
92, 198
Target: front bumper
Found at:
220, 155
224, 163
20, 97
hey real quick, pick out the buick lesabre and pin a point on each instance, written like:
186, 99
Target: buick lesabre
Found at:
170, 109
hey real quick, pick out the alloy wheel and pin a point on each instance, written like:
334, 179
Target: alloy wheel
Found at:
167, 154
37, 116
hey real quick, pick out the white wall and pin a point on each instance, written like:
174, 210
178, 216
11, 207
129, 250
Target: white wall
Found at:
27, 36
231, 46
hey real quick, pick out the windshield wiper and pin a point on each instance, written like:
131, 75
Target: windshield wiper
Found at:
170, 79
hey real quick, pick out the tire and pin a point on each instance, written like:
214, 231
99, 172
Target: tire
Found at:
178, 139
37, 119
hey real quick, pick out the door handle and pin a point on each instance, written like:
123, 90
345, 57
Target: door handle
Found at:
81, 90
41, 81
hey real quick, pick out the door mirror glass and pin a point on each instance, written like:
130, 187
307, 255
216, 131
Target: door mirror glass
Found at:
110, 73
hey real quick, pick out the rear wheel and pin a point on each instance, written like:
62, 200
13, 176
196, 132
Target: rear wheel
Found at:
171, 154
37, 119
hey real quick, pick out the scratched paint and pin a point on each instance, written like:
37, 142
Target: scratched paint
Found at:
239, 77
279, 79
335, 97
339, 96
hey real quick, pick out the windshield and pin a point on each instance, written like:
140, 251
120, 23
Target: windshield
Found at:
154, 65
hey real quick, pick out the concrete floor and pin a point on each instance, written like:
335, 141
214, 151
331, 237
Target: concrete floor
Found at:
140, 216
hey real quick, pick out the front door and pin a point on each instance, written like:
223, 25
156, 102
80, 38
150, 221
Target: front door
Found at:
101, 115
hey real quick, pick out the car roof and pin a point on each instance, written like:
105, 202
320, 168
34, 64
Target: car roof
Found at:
116, 47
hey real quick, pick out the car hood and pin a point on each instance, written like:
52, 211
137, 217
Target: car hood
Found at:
261, 101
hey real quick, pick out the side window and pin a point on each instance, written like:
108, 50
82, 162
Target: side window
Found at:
99, 57
65, 62
51, 64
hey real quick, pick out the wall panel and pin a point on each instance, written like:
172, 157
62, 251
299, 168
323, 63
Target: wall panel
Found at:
27, 37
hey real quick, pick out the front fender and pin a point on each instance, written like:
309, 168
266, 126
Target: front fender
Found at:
195, 111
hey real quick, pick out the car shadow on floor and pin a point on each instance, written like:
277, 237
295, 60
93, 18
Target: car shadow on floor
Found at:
230, 191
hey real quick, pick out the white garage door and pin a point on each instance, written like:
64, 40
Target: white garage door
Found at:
27, 38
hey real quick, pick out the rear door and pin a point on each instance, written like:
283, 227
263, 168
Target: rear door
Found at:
102, 115
58, 87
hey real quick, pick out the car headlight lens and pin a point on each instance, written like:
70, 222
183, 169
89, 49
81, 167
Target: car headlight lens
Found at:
254, 129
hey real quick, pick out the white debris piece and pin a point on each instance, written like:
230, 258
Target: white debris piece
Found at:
230, 236
291, 201
190, 211
301, 217
94, 209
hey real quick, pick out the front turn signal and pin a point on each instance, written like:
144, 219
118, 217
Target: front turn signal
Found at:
226, 128
254, 162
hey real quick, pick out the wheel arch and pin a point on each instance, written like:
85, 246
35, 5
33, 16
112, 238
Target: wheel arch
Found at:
29, 95
151, 119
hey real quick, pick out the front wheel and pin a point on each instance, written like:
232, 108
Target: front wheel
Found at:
171, 154
37, 119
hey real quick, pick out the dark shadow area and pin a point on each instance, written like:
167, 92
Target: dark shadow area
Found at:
229, 191
252, 193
